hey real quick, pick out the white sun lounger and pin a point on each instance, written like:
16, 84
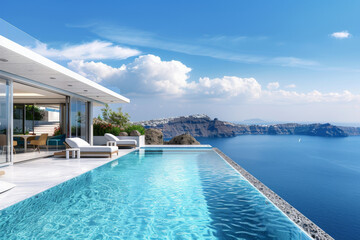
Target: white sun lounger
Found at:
87, 149
120, 143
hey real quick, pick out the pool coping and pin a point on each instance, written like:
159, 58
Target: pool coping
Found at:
292, 213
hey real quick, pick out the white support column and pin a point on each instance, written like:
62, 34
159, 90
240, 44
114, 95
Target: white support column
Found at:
68, 116
90, 131
11, 120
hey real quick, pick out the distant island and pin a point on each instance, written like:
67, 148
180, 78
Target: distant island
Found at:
201, 125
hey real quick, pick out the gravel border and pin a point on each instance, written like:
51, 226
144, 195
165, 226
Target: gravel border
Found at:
297, 217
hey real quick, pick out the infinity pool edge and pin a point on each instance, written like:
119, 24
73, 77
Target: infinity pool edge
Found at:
292, 213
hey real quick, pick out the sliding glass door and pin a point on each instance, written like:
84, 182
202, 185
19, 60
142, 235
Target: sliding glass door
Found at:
18, 119
6, 143
79, 119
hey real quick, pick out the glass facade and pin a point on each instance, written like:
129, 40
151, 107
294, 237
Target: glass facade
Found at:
78, 118
5, 120
30, 113
18, 118
26, 117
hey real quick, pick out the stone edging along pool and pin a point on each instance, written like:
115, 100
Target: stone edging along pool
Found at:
297, 217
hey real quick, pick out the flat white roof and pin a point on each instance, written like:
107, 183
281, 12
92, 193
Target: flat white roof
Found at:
20, 61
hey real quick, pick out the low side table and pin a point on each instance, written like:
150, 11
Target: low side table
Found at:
74, 151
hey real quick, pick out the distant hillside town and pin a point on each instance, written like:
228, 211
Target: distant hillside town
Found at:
201, 125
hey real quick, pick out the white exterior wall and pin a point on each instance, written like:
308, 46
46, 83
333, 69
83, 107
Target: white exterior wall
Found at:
53, 116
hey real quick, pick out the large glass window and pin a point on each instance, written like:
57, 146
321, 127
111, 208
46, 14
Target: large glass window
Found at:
18, 118
5, 119
27, 116
31, 111
78, 118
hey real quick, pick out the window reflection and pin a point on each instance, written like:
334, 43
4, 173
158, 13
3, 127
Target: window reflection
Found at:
78, 118
4, 122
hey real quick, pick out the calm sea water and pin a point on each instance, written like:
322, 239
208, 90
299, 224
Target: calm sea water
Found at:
318, 176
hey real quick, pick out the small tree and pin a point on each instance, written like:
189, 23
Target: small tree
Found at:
105, 112
117, 118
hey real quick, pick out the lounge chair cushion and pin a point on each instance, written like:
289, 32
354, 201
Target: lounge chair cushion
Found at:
77, 142
118, 141
104, 149
126, 142
86, 147
110, 137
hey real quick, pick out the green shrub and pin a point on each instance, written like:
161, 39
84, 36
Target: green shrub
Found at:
117, 118
140, 128
101, 128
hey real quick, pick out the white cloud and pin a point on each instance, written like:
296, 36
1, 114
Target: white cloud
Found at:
292, 62
315, 96
341, 35
290, 86
145, 75
96, 71
227, 87
198, 47
96, 50
273, 86
149, 75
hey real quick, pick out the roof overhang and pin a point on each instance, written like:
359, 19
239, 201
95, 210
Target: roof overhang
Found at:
26, 66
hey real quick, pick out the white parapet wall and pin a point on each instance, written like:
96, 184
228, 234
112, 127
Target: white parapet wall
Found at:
139, 139
101, 140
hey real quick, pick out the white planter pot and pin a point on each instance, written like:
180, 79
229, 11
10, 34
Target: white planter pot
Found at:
101, 140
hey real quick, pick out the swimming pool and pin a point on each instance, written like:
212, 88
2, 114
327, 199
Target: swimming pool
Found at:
151, 194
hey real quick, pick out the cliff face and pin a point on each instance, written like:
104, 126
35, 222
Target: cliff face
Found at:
323, 130
351, 131
203, 126
197, 127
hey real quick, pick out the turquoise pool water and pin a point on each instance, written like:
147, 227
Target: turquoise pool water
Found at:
151, 194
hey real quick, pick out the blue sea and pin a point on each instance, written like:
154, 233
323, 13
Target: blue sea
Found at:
318, 176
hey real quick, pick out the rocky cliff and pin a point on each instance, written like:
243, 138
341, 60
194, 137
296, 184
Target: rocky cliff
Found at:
196, 125
204, 126
351, 131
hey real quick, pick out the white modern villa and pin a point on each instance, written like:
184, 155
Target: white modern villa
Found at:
37, 96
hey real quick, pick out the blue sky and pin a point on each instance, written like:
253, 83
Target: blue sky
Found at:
235, 60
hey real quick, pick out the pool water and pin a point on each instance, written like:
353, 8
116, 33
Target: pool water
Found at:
151, 194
